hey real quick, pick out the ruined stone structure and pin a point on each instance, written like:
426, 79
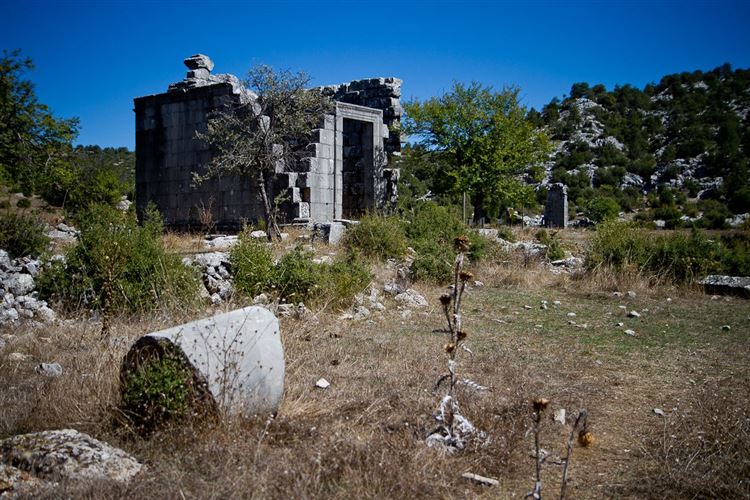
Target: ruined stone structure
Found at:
346, 174
556, 209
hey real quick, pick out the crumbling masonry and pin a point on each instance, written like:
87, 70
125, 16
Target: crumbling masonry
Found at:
346, 174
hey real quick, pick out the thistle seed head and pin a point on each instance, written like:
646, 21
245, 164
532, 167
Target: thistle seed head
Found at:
462, 243
540, 404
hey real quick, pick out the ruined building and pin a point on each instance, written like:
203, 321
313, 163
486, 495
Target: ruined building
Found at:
346, 174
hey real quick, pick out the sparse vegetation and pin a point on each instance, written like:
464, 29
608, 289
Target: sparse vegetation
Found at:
377, 236
295, 277
160, 388
22, 234
678, 257
117, 265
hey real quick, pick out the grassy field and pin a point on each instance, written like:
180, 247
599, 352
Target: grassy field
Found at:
364, 435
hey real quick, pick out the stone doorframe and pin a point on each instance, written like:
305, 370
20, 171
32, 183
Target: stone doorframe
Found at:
374, 181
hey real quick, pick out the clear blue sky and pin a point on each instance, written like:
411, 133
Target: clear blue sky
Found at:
93, 57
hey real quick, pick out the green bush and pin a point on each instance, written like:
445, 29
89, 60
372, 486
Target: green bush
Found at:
377, 236
344, 279
554, 247
158, 386
296, 278
602, 208
23, 203
252, 264
22, 235
676, 257
121, 263
431, 231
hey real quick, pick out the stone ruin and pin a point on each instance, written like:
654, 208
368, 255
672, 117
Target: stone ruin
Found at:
345, 175
556, 208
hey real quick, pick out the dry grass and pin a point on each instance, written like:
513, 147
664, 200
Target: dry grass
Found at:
363, 437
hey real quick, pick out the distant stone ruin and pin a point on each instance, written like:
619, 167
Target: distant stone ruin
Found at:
345, 175
556, 209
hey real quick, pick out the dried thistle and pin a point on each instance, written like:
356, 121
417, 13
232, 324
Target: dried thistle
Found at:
449, 347
540, 404
445, 299
461, 335
585, 438
465, 275
462, 243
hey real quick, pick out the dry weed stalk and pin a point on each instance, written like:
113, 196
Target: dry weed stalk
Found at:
585, 438
454, 430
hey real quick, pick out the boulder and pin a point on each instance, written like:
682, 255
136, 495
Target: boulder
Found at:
411, 298
67, 455
726, 285
237, 357
19, 284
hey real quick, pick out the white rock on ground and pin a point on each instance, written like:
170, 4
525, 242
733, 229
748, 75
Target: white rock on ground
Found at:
411, 298
68, 455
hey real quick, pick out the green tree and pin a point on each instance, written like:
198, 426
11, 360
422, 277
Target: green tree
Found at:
252, 138
32, 140
484, 134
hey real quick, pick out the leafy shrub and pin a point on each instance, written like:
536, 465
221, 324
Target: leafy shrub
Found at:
158, 386
119, 265
296, 278
344, 279
677, 257
506, 233
22, 235
554, 248
602, 208
252, 264
23, 203
377, 236
431, 231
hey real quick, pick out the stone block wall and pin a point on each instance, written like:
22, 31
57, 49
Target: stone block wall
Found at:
344, 175
377, 93
167, 154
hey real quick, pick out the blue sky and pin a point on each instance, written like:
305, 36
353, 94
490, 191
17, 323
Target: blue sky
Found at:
93, 57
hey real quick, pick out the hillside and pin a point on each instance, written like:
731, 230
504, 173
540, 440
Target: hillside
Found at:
686, 138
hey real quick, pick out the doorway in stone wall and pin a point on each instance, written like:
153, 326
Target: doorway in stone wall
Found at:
357, 168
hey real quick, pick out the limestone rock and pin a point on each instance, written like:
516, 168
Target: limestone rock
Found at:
411, 298
726, 285
52, 370
14, 482
19, 284
199, 61
68, 455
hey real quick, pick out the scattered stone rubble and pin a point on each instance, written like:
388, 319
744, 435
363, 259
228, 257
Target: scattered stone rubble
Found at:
18, 300
215, 273
62, 232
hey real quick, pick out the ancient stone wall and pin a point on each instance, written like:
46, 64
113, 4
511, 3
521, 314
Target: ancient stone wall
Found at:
344, 175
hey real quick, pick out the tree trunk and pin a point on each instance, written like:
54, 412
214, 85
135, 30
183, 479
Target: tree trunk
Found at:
478, 201
272, 229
